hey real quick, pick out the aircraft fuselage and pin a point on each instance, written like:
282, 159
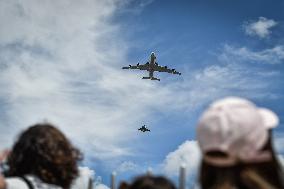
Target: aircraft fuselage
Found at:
151, 64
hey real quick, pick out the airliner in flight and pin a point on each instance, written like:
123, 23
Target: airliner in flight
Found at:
151, 67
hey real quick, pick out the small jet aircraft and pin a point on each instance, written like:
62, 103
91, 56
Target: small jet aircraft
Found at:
144, 129
151, 67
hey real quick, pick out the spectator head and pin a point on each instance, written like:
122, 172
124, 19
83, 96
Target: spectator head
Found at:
42, 150
235, 135
148, 182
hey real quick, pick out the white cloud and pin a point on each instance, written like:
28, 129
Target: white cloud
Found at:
135, 7
101, 186
187, 154
202, 86
127, 166
82, 181
145, 3
273, 55
85, 176
260, 28
60, 61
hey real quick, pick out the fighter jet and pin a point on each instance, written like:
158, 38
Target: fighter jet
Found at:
151, 67
144, 129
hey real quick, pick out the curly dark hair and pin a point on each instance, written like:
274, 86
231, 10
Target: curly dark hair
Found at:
42, 150
148, 182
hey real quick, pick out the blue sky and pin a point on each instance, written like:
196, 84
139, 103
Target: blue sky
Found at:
61, 62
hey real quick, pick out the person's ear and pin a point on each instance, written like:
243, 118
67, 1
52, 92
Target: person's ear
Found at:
4, 154
123, 185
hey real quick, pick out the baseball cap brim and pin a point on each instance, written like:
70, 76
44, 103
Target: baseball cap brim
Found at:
270, 119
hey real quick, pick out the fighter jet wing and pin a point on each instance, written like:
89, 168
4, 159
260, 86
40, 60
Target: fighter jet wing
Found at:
165, 69
138, 67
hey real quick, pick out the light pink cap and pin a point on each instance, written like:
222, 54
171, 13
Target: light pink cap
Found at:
235, 126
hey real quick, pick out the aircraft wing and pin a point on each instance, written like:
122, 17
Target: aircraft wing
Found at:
138, 66
165, 69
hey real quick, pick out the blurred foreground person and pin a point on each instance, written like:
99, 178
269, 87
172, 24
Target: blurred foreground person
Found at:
41, 158
235, 138
148, 182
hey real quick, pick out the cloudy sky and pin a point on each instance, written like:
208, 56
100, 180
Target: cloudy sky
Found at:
61, 62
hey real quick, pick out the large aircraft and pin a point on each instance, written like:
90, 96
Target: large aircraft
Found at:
151, 67
144, 129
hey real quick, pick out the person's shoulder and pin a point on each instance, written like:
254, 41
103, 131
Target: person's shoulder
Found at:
23, 183
15, 183
39, 184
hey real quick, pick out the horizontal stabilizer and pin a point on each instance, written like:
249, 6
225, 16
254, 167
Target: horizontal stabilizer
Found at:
153, 78
146, 77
